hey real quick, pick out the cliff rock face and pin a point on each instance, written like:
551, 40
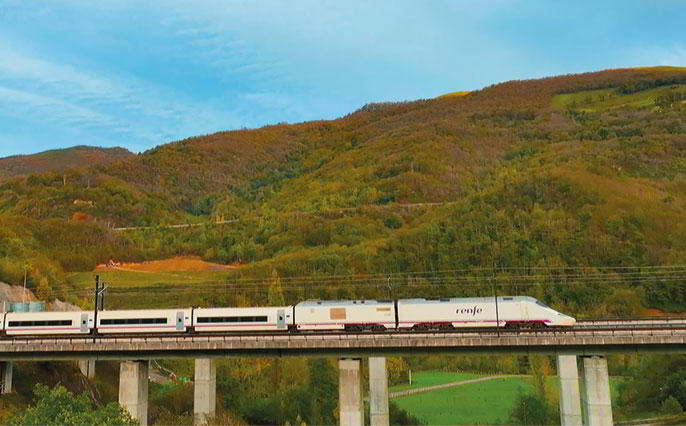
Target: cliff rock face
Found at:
13, 294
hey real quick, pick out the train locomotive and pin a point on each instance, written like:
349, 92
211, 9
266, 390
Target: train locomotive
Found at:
419, 314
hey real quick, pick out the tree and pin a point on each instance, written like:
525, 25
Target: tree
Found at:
43, 291
58, 406
323, 391
529, 409
275, 293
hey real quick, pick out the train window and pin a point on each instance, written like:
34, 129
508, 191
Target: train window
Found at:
508, 298
539, 303
122, 321
52, 323
260, 318
445, 299
384, 301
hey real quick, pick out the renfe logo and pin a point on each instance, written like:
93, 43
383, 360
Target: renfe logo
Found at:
469, 311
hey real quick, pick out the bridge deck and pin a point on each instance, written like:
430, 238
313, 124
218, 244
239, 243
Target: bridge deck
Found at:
588, 338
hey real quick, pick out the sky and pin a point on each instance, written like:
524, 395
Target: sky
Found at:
138, 74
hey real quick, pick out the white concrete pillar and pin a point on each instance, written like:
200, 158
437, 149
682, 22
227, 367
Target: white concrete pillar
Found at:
349, 393
378, 392
596, 391
6, 368
87, 367
570, 401
133, 389
205, 390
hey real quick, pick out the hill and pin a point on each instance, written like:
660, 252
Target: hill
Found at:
59, 160
564, 174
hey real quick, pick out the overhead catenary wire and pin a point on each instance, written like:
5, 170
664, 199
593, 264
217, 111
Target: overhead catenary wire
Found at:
460, 278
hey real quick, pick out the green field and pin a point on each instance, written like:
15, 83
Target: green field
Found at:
432, 378
486, 402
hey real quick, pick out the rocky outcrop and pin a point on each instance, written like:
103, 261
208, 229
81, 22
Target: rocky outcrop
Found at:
13, 294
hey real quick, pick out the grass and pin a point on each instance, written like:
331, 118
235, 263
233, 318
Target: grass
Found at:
604, 99
432, 378
178, 289
486, 402
132, 279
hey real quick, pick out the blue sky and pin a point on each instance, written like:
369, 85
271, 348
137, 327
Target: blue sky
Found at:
138, 74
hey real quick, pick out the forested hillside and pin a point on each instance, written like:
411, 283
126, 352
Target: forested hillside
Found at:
580, 171
59, 159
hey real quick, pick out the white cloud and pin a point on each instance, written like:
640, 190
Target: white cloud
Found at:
121, 106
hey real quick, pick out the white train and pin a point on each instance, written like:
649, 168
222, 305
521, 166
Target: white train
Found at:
348, 315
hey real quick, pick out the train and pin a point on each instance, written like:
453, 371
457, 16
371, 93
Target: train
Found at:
419, 314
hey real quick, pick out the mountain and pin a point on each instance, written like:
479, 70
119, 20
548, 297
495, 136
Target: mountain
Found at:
59, 159
576, 171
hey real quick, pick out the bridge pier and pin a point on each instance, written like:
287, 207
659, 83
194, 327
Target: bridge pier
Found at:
87, 367
596, 391
349, 393
205, 390
378, 392
133, 389
570, 402
6, 368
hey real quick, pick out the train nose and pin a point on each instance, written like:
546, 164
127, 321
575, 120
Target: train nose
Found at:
566, 320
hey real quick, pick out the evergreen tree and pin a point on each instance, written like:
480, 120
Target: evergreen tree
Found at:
275, 293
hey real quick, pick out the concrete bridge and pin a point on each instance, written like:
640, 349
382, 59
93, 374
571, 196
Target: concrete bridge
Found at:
589, 341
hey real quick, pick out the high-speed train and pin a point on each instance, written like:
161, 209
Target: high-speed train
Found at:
348, 315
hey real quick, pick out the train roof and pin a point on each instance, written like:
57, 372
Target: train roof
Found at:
501, 299
345, 302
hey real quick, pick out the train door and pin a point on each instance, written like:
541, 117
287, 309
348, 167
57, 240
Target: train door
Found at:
84, 323
179, 321
281, 319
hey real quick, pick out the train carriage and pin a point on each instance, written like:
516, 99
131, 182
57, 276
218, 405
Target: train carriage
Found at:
350, 315
243, 319
145, 321
48, 323
477, 312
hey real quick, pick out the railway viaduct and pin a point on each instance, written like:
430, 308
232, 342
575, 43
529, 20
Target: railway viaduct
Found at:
588, 342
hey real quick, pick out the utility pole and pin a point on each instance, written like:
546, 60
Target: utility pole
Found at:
497, 315
95, 307
99, 292
23, 295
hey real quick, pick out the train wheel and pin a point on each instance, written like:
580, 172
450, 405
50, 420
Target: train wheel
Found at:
378, 328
